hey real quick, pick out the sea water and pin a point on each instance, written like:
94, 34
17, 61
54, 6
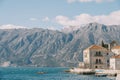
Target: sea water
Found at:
31, 73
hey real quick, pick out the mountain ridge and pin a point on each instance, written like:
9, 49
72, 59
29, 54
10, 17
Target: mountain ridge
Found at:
49, 48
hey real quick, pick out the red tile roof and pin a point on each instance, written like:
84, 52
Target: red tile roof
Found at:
96, 47
116, 47
117, 56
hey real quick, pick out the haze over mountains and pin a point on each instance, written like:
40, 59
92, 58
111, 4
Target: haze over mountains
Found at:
43, 47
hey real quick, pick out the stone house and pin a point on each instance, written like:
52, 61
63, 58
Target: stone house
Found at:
97, 57
115, 62
116, 50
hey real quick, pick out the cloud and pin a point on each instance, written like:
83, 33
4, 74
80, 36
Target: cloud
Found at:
11, 26
71, 1
52, 28
45, 19
33, 19
97, 1
111, 19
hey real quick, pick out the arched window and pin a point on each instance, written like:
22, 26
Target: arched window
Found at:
99, 53
97, 61
107, 53
100, 61
108, 61
96, 66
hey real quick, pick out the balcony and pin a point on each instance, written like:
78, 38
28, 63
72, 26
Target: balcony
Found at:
98, 63
96, 55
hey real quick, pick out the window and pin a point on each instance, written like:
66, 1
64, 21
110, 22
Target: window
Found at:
108, 61
107, 53
98, 54
100, 61
96, 66
96, 61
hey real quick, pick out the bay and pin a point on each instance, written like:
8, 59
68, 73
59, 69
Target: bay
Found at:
50, 73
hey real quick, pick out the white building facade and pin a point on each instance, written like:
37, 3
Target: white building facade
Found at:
96, 57
115, 62
116, 50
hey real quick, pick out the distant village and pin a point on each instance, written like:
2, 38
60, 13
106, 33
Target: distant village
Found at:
104, 56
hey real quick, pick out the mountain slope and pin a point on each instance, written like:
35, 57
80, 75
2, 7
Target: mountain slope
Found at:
40, 47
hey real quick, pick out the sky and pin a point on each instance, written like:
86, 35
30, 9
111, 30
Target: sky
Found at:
57, 14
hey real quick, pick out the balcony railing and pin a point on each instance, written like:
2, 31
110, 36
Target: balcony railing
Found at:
98, 62
98, 55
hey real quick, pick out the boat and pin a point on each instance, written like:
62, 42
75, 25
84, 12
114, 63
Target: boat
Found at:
88, 73
101, 75
67, 71
40, 72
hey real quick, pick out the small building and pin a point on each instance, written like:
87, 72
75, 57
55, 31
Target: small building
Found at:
115, 62
96, 57
81, 65
116, 50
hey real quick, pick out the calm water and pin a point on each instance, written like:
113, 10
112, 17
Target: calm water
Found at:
51, 74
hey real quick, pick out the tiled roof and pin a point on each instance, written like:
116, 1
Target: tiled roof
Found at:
95, 47
118, 56
116, 47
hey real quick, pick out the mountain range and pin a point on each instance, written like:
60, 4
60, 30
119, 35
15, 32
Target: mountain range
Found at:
50, 48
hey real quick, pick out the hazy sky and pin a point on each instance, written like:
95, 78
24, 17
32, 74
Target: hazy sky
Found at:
56, 14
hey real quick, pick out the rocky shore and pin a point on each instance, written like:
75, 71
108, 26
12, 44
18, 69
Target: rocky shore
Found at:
97, 72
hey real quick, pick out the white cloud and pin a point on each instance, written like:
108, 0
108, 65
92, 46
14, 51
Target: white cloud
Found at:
33, 19
71, 1
86, 0
45, 19
97, 1
11, 26
111, 19
51, 28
